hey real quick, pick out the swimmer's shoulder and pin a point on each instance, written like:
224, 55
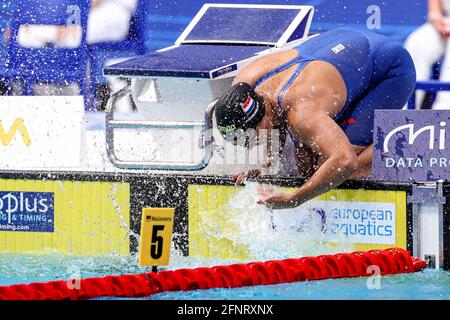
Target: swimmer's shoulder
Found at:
263, 65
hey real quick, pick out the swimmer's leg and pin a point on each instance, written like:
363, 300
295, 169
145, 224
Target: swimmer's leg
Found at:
391, 93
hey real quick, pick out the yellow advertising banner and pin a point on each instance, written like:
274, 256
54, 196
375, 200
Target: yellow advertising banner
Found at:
226, 223
76, 217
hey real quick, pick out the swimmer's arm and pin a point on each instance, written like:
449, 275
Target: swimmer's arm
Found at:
256, 70
7, 34
240, 178
435, 9
95, 3
436, 16
281, 143
364, 164
247, 75
327, 138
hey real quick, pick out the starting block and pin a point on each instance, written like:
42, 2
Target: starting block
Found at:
175, 87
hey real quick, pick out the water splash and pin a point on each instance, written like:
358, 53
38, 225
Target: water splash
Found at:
270, 234
113, 197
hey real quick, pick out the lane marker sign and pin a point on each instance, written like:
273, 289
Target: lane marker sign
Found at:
156, 236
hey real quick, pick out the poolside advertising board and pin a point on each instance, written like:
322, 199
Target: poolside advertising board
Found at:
411, 145
100, 214
41, 132
66, 216
225, 222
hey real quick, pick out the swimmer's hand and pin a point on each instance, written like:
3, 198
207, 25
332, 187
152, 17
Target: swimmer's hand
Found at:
240, 179
276, 200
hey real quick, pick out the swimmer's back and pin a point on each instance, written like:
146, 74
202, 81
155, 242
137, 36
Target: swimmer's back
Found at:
363, 58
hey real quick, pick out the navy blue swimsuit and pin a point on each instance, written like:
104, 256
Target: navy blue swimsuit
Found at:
378, 73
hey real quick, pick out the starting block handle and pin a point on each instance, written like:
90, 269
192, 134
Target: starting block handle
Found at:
112, 124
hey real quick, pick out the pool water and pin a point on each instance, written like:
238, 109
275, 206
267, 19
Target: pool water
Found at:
428, 284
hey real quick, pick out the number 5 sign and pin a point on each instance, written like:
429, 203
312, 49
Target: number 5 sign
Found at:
156, 236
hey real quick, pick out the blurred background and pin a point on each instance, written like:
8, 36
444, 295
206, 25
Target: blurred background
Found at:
117, 29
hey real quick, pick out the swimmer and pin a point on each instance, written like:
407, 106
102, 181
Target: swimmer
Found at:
323, 93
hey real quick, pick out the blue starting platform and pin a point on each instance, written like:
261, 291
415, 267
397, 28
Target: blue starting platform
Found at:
173, 88
218, 38
189, 60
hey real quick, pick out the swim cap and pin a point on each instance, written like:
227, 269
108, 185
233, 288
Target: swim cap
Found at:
240, 107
